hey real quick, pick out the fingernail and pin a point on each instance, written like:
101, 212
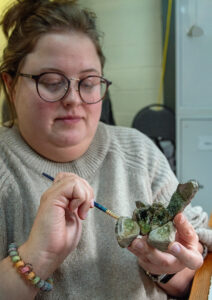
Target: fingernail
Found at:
182, 219
92, 203
85, 215
139, 245
175, 248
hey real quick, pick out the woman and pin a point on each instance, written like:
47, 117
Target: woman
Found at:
52, 73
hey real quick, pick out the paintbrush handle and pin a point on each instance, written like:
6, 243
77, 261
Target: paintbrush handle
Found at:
97, 205
107, 211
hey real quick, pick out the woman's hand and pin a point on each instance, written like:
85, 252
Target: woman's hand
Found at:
183, 257
184, 252
57, 227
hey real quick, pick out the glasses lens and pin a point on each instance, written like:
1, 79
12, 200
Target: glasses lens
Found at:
52, 86
92, 89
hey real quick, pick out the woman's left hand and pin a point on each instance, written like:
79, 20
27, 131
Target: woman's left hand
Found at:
185, 252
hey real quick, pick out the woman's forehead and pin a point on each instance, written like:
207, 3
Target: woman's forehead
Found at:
56, 50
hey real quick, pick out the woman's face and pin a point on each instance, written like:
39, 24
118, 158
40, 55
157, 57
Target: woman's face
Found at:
63, 130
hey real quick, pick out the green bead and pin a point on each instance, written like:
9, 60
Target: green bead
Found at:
13, 253
35, 280
50, 280
15, 258
13, 245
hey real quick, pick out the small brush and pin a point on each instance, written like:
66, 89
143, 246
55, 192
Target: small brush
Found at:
97, 205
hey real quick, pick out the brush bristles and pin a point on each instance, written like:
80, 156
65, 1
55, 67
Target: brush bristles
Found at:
110, 213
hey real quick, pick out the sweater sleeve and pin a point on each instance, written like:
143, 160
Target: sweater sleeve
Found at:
9, 193
3, 213
3, 233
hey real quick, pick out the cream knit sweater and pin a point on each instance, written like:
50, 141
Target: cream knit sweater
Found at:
122, 165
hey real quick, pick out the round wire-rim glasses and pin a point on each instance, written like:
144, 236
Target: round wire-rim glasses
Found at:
87, 84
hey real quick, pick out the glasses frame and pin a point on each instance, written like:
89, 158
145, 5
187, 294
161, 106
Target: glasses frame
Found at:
37, 77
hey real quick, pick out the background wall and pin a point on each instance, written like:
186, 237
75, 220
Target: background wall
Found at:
3, 5
133, 48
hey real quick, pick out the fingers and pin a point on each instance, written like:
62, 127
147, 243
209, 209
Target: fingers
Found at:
139, 247
72, 192
82, 198
185, 231
147, 253
190, 258
184, 252
152, 259
186, 246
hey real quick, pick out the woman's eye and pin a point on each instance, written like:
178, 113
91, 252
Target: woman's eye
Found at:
52, 85
89, 83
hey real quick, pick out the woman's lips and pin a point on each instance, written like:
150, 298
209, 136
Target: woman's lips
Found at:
69, 119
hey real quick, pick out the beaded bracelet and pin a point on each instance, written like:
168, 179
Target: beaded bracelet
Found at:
26, 271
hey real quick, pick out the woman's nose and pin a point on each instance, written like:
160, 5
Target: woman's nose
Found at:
73, 96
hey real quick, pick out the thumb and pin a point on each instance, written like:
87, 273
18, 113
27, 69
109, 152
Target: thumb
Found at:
190, 258
185, 231
185, 248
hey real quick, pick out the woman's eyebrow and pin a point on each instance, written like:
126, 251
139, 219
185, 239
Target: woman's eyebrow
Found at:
89, 70
44, 69
50, 69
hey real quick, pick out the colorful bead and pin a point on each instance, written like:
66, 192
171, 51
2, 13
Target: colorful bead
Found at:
47, 287
15, 258
26, 270
30, 276
50, 280
12, 249
19, 264
12, 246
35, 280
40, 284
13, 253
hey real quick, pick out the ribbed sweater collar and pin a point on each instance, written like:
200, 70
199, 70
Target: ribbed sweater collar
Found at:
85, 166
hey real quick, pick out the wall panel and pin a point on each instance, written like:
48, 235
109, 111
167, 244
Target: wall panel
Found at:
133, 47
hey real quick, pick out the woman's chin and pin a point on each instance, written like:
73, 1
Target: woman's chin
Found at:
70, 141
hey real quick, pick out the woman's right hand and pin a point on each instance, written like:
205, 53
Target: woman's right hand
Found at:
57, 227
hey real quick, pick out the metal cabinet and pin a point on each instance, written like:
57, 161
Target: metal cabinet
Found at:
194, 95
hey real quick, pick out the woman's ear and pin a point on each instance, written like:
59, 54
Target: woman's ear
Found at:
8, 82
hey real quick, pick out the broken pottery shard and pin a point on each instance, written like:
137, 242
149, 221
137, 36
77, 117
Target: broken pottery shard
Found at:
126, 231
161, 237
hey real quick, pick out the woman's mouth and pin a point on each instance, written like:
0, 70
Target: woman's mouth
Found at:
69, 119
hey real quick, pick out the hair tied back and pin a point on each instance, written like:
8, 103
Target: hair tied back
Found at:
17, 12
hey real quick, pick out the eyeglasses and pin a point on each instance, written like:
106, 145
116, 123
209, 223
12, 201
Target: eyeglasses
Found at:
53, 86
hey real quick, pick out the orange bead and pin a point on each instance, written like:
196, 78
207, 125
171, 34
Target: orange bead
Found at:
19, 264
30, 276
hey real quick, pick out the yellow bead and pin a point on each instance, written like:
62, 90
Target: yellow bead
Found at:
19, 264
30, 276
